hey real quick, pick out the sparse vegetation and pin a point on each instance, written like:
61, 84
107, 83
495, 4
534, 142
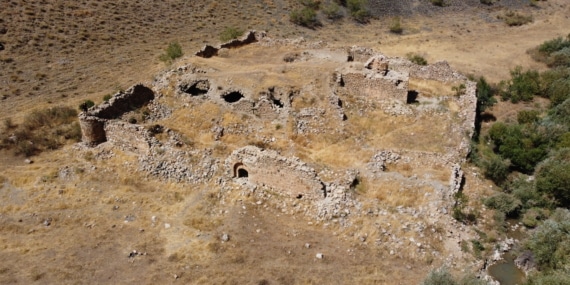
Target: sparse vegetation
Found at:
487, 2
332, 11
306, 17
173, 51
396, 26
230, 33
85, 105
439, 3
417, 59
41, 130
358, 10
512, 18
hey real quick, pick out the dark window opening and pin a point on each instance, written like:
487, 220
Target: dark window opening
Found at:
232, 97
339, 103
344, 117
354, 183
242, 173
341, 82
350, 58
412, 97
199, 88
278, 103
300, 196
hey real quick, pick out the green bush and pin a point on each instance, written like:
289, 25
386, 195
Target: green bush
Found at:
107, 98
313, 4
306, 17
496, 168
522, 86
396, 26
525, 146
332, 11
484, 93
358, 10
230, 33
173, 51
515, 19
556, 277
487, 2
417, 59
550, 242
505, 203
86, 105
553, 177
532, 216
439, 3
442, 276
528, 116
561, 113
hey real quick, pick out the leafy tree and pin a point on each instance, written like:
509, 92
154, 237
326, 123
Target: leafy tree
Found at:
550, 242
522, 86
484, 93
553, 177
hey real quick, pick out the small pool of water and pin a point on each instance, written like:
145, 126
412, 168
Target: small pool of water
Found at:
506, 272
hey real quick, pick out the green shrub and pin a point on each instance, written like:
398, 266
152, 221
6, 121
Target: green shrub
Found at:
522, 86
525, 146
332, 11
230, 33
515, 19
313, 4
532, 216
550, 242
503, 202
107, 98
496, 168
561, 113
525, 191
358, 10
487, 2
556, 277
553, 177
528, 116
554, 45
558, 91
396, 26
484, 93
417, 59
440, 277
439, 3
86, 105
306, 17
173, 51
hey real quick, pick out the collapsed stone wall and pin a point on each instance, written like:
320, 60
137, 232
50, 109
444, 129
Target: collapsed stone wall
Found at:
248, 38
289, 177
94, 122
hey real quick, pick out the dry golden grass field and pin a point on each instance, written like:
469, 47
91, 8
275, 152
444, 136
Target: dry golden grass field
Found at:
77, 216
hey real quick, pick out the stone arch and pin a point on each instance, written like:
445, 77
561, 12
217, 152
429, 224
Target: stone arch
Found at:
240, 171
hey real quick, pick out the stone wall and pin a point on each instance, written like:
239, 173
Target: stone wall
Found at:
248, 38
95, 122
289, 177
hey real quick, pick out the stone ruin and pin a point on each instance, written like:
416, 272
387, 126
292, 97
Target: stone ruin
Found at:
374, 78
102, 123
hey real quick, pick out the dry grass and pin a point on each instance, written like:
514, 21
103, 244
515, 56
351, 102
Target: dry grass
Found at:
431, 88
